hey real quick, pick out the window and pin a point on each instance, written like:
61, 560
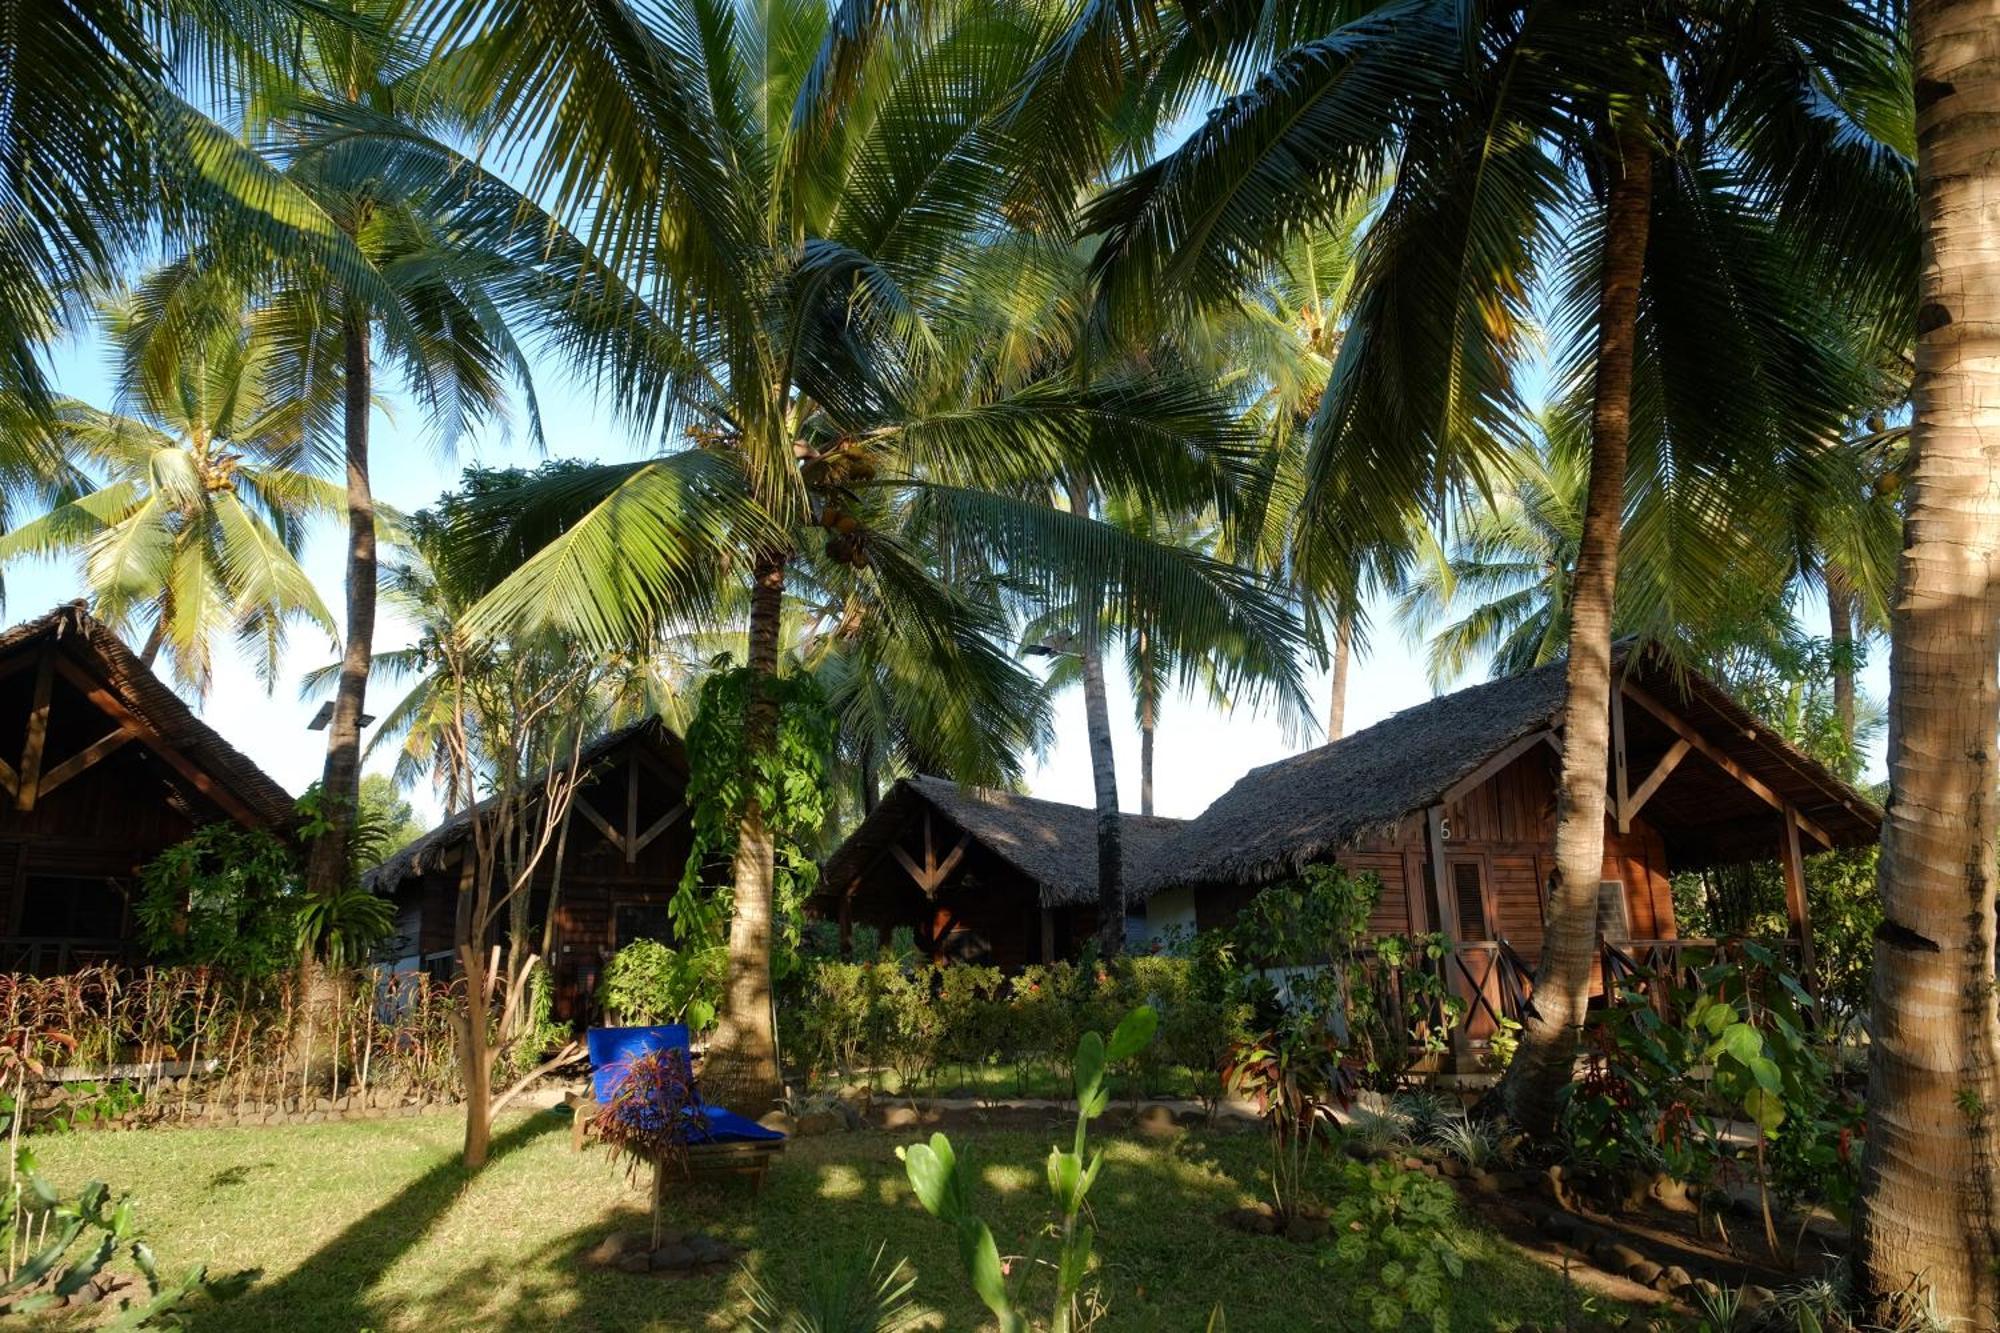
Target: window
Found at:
1614, 920
642, 921
1470, 900
72, 907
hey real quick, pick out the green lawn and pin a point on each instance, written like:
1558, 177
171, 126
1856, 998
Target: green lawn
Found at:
373, 1225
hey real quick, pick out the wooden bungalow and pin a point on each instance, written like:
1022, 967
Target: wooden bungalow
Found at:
980, 876
620, 862
102, 768
1452, 805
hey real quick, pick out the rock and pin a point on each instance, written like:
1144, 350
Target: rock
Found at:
610, 1250
1615, 1256
1453, 1168
1259, 1219
1759, 1298
1156, 1122
850, 1116
1645, 1272
640, 1262
1414, 1164
901, 1117
673, 1256
709, 1250
1671, 1194
1671, 1279
779, 1121
1558, 1225
820, 1122
1307, 1227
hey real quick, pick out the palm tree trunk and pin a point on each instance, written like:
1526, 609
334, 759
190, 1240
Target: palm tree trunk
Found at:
1840, 619
871, 794
1104, 778
1929, 1219
1543, 1064
743, 1056
1103, 768
1149, 723
1343, 646
340, 783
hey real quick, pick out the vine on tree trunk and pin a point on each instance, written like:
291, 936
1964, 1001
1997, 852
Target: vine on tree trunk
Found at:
789, 782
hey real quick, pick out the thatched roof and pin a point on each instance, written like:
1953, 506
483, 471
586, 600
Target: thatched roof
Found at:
1285, 815
440, 847
102, 656
1050, 842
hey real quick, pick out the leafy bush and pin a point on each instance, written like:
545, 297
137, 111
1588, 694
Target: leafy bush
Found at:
648, 981
916, 1019
1392, 1245
226, 897
1732, 1039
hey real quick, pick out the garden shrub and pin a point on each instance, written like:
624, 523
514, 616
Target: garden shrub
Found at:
1669, 1065
649, 981
917, 1019
225, 897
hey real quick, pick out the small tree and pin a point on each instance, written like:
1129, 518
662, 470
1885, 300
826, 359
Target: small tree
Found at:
509, 705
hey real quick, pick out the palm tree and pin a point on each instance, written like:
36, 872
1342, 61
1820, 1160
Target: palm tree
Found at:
1929, 1225
1707, 175
831, 188
201, 491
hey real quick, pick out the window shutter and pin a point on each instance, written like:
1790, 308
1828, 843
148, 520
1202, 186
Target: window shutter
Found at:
1472, 923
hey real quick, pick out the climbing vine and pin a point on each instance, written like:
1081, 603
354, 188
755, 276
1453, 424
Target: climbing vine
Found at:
789, 782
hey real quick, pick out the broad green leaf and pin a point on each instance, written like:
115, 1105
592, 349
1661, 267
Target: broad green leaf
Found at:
1089, 1068
930, 1167
1134, 1033
983, 1258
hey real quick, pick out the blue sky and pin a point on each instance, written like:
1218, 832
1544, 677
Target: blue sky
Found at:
1201, 750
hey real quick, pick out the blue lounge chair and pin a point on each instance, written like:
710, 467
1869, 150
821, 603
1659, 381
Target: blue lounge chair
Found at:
718, 1140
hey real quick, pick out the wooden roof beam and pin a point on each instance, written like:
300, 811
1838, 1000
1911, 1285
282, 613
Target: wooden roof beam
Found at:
1478, 776
169, 753
1714, 753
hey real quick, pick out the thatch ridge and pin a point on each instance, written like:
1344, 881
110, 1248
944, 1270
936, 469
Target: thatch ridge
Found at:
1286, 815
434, 849
155, 703
1053, 843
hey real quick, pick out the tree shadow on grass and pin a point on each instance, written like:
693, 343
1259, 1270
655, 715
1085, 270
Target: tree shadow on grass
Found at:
834, 1201
334, 1283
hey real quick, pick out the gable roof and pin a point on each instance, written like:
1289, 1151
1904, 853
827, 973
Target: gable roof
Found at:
162, 717
1285, 815
437, 848
1051, 842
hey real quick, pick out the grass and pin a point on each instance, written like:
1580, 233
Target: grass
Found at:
374, 1225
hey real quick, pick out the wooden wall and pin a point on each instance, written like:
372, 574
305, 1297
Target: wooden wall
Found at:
986, 912
605, 899
1504, 832
69, 866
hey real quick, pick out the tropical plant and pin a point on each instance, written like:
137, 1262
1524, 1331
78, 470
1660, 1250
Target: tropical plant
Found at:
200, 492
227, 896
1391, 1238
46, 1268
808, 322
650, 981
854, 1293
943, 1185
1697, 169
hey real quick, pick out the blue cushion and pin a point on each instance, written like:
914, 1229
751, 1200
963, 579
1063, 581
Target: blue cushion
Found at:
729, 1127
612, 1051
